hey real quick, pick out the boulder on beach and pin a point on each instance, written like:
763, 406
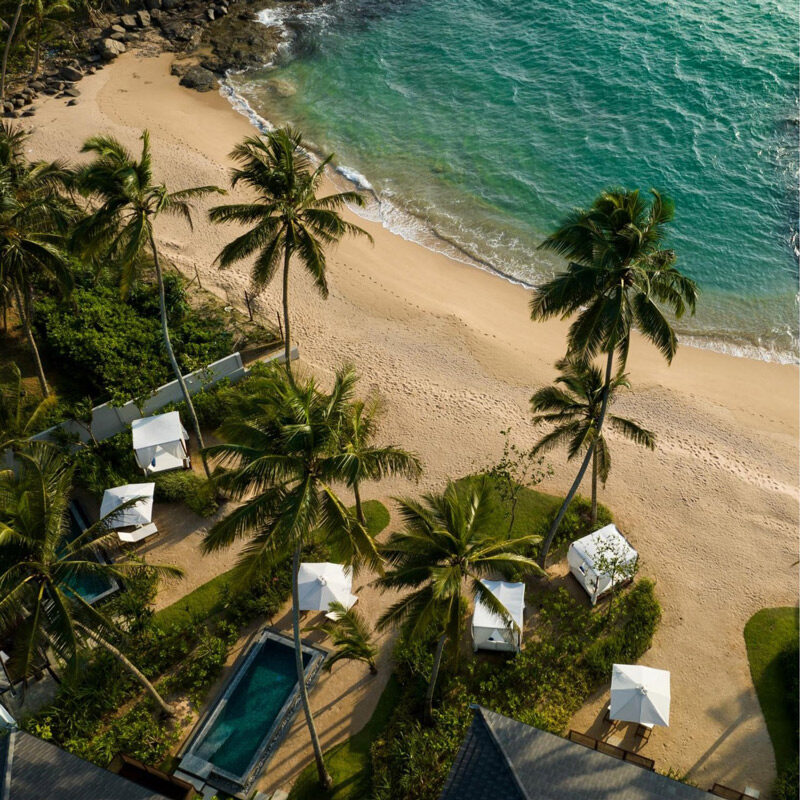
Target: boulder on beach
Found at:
128, 21
199, 78
143, 18
111, 48
70, 73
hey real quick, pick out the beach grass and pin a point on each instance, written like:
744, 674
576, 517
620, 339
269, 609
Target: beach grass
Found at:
769, 634
349, 763
209, 599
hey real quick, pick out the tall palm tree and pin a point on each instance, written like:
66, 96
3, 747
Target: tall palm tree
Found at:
618, 277
31, 248
288, 218
44, 14
573, 407
365, 460
41, 564
286, 459
20, 417
12, 30
122, 225
450, 541
350, 636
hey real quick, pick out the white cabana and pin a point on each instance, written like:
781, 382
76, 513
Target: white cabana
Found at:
640, 694
489, 630
320, 583
160, 443
602, 560
140, 513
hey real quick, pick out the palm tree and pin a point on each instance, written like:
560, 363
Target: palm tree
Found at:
288, 218
284, 448
30, 247
44, 13
573, 406
12, 29
350, 636
42, 564
122, 226
449, 541
618, 277
366, 461
19, 417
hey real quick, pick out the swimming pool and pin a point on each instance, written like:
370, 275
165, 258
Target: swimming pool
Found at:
90, 587
239, 732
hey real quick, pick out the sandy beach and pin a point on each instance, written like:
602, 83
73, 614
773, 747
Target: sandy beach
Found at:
713, 512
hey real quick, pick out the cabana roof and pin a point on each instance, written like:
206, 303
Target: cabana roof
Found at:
511, 595
606, 542
156, 430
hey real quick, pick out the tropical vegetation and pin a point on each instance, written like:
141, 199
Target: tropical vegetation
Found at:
289, 220
618, 277
572, 406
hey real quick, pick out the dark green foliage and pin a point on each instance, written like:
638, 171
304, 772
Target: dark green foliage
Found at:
112, 348
787, 787
109, 463
577, 521
544, 686
188, 488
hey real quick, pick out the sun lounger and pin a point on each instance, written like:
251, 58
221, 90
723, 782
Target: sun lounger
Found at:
643, 731
138, 534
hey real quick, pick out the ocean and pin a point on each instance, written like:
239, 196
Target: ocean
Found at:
476, 124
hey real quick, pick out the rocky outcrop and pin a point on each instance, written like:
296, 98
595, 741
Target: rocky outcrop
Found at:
237, 41
199, 78
111, 48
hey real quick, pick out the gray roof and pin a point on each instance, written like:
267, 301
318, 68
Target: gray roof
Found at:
33, 769
547, 767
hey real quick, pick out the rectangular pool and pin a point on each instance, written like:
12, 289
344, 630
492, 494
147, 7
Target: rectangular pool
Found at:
242, 728
90, 587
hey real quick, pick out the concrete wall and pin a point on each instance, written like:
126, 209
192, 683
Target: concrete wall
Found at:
108, 420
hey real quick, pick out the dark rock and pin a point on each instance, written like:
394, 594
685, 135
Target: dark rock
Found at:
168, 5
221, 11
29, 112
179, 70
93, 59
18, 101
119, 37
155, 15
50, 90
199, 78
72, 102
72, 93
111, 49
128, 21
71, 74
143, 18
12, 114
38, 85
152, 4
176, 29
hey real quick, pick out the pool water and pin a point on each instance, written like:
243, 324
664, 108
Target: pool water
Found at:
90, 587
250, 709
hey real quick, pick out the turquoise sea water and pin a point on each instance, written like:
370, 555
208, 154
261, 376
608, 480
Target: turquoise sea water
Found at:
478, 124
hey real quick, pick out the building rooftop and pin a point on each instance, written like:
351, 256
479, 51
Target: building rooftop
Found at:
32, 769
502, 758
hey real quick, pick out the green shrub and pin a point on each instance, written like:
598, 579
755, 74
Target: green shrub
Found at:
577, 521
188, 488
787, 786
92, 335
109, 463
639, 615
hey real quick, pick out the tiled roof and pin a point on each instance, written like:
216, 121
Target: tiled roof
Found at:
33, 769
547, 767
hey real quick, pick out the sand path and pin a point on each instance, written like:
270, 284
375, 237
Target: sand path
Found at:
713, 511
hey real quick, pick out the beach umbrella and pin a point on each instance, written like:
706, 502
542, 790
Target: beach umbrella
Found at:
139, 513
639, 694
321, 583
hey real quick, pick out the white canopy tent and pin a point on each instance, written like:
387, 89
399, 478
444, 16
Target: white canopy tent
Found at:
640, 694
140, 513
160, 443
489, 630
601, 560
320, 583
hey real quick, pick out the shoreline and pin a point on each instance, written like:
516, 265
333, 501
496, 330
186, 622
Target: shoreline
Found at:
451, 349
419, 230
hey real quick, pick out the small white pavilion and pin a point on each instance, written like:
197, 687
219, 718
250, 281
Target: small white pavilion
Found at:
489, 630
160, 443
602, 560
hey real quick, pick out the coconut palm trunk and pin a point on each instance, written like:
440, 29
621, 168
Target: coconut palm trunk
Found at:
594, 486
38, 48
584, 465
7, 49
287, 339
25, 319
437, 663
162, 303
324, 776
359, 508
125, 661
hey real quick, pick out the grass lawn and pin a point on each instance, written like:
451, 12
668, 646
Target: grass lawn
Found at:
349, 762
767, 634
207, 600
